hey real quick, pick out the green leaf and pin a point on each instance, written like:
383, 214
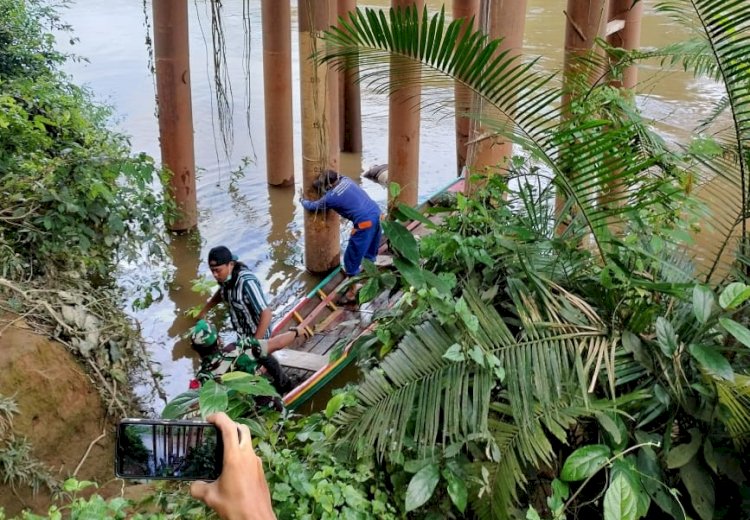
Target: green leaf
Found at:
369, 291
455, 353
700, 486
180, 405
248, 384
740, 332
712, 361
709, 457
703, 301
394, 189
681, 454
652, 480
620, 501
531, 514
584, 462
401, 240
457, 489
666, 337
632, 344
469, 319
413, 275
410, 213
627, 468
212, 398
615, 428
422, 486
334, 404
734, 295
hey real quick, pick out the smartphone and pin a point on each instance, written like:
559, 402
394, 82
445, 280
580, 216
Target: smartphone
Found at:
164, 449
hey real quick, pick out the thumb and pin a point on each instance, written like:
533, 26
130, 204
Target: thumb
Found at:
200, 490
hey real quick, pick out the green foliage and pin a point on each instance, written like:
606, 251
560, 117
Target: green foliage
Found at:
74, 194
307, 478
590, 327
18, 467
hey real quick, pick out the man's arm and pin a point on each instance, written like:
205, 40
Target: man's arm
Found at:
315, 205
210, 304
263, 323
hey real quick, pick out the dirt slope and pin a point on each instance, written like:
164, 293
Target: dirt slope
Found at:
60, 412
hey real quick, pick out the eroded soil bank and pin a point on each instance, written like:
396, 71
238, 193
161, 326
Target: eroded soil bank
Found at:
60, 412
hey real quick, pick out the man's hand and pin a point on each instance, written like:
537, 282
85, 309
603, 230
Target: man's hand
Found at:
241, 492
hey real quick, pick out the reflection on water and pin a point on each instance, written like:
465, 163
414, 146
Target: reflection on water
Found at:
264, 226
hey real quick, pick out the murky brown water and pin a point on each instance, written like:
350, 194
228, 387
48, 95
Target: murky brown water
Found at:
264, 227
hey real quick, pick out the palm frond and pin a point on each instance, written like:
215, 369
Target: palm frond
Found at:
415, 387
734, 397
584, 158
726, 28
521, 445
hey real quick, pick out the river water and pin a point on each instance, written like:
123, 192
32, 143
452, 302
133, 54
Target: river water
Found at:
264, 226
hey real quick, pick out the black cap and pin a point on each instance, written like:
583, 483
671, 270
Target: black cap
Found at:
220, 255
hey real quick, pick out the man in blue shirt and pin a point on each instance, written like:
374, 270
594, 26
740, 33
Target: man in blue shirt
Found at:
346, 198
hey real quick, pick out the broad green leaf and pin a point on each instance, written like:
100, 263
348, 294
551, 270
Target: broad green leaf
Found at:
531, 514
454, 353
709, 457
703, 302
620, 501
729, 465
422, 486
615, 428
413, 275
666, 337
412, 214
740, 332
700, 487
248, 384
627, 468
213, 398
632, 344
443, 284
180, 405
369, 291
334, 404
652, 479
469, 319
712, 361
402, 241
681, 454
457, 489
584, 462
734, 295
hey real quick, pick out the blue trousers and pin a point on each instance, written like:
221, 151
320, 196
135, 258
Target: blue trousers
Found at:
363, 243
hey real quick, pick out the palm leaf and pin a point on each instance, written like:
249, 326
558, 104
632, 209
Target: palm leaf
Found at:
439, 400
735, 399
523, 444
584, 158
726, 29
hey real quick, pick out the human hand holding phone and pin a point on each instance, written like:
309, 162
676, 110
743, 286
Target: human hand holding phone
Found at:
241, 492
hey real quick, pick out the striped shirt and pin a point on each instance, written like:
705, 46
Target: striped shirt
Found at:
245, 299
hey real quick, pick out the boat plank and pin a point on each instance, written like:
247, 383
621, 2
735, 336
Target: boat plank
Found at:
300, 359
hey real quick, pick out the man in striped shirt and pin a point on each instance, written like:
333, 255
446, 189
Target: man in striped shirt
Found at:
249, 312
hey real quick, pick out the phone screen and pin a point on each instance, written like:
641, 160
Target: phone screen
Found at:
159, 449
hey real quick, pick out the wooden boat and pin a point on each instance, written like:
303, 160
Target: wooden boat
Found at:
313, 363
